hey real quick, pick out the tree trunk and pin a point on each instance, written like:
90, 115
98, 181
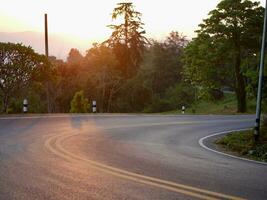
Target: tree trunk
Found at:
103, 90
240, 83
48, 97
5, 103
110, 100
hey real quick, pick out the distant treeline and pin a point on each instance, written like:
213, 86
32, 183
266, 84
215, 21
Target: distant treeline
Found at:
130, 73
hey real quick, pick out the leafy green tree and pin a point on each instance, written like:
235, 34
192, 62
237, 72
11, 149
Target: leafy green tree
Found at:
19, 66
66, 82
238, 24
206, 66
67, 78
137, 99
180, 95
127, 39
37, 98
162, 64
104, 80
79, 103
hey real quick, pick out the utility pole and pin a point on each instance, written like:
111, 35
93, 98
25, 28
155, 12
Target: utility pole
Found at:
260, 82
46, 36
47, 55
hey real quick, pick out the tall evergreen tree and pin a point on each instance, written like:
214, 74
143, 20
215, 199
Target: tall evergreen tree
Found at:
127, 40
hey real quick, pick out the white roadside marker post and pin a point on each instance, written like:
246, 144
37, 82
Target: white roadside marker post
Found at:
94, 106
25, 106
183, 109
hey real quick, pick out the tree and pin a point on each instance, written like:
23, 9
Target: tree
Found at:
127, 40
75, 57
19, 65
206, 66
237, 23
137, 99
104, 80
79, 103
68, 77
162, 64
66, 82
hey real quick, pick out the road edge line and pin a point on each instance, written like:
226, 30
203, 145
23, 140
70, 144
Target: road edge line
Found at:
201, 143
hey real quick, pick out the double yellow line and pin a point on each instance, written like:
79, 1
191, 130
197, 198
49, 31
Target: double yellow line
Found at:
54, 144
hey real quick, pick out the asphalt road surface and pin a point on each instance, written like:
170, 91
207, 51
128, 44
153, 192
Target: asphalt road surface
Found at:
123, 157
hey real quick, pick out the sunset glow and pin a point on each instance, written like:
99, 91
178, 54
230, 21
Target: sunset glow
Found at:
83, 22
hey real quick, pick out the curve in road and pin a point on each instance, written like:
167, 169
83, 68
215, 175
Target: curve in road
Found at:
54, 144
148, 156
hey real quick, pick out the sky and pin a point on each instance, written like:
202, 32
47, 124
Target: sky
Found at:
83, 22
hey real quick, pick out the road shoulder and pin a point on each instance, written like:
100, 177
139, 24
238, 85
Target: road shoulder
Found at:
208, 143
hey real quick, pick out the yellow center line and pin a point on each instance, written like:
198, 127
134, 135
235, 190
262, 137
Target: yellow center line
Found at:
59, 150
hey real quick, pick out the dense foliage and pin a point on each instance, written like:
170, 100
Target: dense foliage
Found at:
244, 143
79, 104
20, 67
227, 40
130, 73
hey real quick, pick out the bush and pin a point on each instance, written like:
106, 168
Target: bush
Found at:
180, 95
159, 105
174, 98
134, 96
15, 106
216, 94
244, 144
239, 142
79, 103
260, 152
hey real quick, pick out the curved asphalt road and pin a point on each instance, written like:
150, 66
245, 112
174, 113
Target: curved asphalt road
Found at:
122, 157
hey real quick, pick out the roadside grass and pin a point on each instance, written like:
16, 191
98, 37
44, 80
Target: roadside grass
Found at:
243, 144
227, 105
